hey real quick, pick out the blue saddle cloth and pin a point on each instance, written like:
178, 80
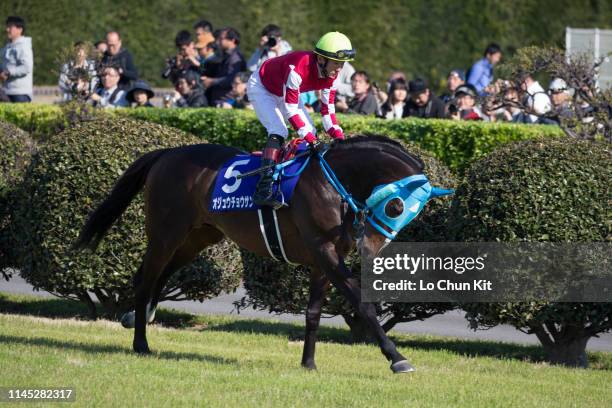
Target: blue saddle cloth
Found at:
233, 194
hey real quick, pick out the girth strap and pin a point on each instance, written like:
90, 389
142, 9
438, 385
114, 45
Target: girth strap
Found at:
270, 231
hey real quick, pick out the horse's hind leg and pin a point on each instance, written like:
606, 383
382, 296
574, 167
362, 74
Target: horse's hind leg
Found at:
197, 241
318, 285
155, 260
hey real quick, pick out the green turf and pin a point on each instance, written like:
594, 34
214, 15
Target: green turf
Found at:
211, 361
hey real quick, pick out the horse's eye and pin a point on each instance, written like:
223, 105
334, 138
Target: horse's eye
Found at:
394, 208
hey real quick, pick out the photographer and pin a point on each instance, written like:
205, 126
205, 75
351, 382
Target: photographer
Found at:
271, 44
185, 60
463, 106
80, 68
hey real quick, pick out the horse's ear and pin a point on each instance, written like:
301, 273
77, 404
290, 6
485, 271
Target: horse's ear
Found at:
439, 192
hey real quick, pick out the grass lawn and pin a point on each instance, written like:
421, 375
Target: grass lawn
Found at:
211, 361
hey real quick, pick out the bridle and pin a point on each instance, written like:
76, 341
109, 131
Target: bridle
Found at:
414, 192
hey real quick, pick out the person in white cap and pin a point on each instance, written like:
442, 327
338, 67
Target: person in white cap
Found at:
561, 98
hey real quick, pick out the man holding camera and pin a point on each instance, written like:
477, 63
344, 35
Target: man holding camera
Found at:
186, 58
463, 106
271, 44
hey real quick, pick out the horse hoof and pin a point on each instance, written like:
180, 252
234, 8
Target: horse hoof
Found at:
402, 366
142, 349
128, 320
309, 366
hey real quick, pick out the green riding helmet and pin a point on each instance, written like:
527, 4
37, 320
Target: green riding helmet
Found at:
335, 46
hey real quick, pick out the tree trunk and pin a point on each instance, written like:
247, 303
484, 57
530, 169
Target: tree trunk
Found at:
566, 347
93, 312
570, 353
360, 330
111, 308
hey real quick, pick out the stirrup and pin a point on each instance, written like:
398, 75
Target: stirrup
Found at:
271, 202
264, 196
267, 199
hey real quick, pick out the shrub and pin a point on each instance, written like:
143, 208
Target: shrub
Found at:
39, 120
69, 177
455, 143
282, 288
16, 149
555, 190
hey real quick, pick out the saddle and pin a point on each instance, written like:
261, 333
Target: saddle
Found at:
233, 192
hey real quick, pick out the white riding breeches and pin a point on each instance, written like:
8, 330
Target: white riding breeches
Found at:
270, 109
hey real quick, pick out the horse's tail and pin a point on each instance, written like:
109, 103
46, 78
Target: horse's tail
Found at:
124, 191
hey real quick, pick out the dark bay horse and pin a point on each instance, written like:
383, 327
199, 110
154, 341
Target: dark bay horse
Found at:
317, 228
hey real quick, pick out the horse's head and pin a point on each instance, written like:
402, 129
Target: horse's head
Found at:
392, 188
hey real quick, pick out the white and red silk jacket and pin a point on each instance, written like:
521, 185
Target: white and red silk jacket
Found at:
297, 72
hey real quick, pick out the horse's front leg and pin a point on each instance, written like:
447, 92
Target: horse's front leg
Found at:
342, 278
318, 285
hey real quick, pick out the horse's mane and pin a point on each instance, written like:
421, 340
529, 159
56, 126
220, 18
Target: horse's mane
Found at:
379, 142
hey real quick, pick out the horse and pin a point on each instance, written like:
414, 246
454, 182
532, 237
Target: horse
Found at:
319, 228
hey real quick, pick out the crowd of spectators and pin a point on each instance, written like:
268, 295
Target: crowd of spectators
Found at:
209, 69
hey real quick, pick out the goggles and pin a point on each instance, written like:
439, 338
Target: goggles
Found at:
341, 55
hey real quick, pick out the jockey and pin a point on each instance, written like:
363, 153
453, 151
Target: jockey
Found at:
274, 90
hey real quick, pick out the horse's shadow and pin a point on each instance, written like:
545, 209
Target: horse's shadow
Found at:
466, 348
110, 349
61, 308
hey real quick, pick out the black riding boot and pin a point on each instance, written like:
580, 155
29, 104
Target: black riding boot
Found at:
264, 192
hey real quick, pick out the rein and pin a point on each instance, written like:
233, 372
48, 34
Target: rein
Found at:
360, 209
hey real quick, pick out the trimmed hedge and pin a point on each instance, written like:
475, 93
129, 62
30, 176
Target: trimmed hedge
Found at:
281, 288
16, 149
555, 190
68, 178
454, 143
39, 120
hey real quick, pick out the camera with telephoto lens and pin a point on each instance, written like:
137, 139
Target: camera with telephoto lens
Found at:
171, 66
272, 41
453, 108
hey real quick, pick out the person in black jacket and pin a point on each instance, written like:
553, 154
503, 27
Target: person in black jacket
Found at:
423, 103
219, 88
191, 93
120, 57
